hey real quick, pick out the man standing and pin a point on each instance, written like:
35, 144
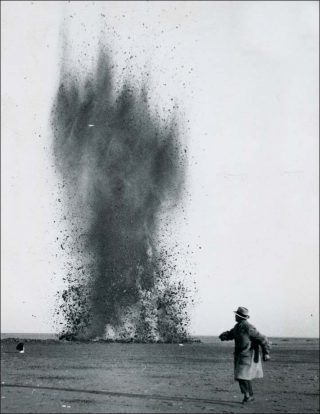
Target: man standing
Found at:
247, 358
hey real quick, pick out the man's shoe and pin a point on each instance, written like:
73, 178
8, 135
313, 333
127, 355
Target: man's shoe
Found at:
248, 399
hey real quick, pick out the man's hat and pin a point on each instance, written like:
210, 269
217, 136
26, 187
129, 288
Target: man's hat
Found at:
242, 312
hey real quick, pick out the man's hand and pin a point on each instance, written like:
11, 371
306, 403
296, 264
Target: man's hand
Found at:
223, 336
266, 357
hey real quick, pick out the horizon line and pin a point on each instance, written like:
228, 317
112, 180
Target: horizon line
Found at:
192, 335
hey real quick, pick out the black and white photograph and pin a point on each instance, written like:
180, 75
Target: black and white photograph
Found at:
159, 206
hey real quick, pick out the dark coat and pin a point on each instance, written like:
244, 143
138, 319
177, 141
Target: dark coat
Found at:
247, 357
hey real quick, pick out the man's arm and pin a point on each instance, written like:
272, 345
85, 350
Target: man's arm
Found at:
262, 340
227, 335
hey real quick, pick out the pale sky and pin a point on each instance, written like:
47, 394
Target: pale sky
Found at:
245, 75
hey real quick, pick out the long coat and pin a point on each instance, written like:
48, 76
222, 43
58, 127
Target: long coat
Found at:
247, 355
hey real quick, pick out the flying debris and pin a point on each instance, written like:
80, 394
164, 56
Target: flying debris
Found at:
120, 178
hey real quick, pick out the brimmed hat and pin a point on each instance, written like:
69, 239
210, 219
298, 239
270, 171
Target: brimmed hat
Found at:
242, 312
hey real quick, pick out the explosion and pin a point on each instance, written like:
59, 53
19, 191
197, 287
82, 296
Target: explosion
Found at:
121, 166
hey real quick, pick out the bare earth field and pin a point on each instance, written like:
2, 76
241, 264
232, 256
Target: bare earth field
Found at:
59, 377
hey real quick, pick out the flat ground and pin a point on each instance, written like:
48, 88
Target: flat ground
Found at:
55, 377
